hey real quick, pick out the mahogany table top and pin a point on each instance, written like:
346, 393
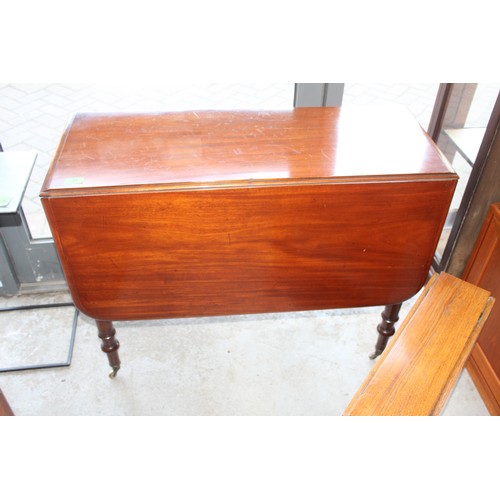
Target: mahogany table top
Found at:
207, 149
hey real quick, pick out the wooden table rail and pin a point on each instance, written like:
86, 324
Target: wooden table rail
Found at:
418, 371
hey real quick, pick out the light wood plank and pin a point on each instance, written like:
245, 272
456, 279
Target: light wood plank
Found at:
419, 369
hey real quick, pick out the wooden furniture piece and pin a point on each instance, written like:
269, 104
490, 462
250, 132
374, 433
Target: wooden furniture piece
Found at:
5, 409
417, 373
214, 213
483, 269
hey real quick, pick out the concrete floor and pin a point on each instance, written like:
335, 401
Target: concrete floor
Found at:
305, 363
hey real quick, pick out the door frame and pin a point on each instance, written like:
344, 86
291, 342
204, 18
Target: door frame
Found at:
474, 203
318, 94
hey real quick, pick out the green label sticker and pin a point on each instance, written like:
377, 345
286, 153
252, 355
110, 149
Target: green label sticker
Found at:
4, 200
73, 181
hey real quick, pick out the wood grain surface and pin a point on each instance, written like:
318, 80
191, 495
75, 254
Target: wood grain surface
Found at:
213, 213
119, 152
239, 251
483, 269
418, 370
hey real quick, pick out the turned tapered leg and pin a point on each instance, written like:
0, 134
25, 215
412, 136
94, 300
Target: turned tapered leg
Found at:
390, 316
109, 344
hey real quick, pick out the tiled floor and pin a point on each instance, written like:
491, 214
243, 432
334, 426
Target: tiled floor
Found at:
307, 363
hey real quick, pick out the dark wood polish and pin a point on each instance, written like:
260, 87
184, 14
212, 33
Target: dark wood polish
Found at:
236, 251
386, 328
109, 344
214, 213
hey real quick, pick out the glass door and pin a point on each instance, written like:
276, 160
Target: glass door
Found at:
459, 126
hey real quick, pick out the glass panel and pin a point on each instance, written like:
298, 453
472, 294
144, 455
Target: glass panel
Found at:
417, 97
467, 114
33, 116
